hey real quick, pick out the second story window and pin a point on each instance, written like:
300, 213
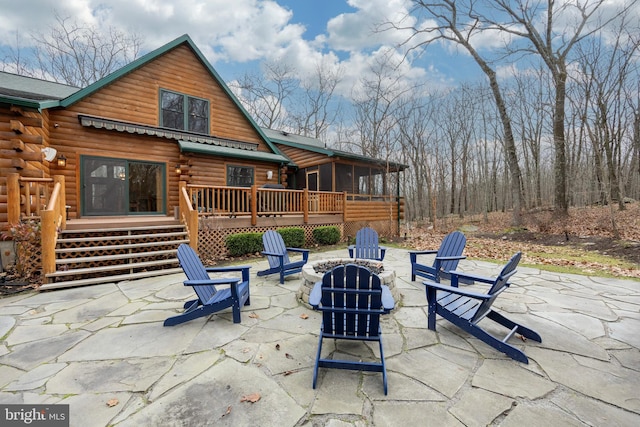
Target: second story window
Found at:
183, 112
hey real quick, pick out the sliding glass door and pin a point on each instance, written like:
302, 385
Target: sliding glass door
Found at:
122, 187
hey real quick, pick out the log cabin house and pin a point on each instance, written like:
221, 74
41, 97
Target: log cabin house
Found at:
159, 153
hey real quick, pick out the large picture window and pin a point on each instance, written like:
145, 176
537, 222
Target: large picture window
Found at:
183, 112
239, 176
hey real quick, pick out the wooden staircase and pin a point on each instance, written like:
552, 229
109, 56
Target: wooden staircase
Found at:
94, 251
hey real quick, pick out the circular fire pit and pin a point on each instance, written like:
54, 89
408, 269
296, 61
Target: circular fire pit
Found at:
313, 271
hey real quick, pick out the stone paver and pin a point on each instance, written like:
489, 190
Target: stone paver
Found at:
103, 350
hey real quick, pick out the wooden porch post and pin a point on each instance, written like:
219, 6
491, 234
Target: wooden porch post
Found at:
344, 206
305, 206
13, 198
254, 204
188, 215
48, 239
62, 200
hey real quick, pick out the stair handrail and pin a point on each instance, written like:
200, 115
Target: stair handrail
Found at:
53, 220
187, 215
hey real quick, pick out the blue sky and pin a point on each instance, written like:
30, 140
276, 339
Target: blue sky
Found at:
236, 36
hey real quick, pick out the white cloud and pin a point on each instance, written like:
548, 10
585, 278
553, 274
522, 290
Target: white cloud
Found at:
238, 32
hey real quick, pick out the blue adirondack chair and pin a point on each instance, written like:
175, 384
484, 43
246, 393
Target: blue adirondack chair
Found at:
351, 299
447, 258
278, 256
366, 246
466, 308
210, 298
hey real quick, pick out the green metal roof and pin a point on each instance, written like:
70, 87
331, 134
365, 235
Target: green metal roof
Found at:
236, 153
317, 146
32, 93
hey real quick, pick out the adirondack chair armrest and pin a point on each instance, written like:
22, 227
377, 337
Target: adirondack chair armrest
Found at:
316, 295
456, 275
223, 281
304, 252
427, 252
241, 268
454, 290
298, 250
413, 255
272, 254
387, 299
450, 258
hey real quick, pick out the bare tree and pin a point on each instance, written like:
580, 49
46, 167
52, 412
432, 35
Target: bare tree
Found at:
79, 54
459, 23
16, 60
266, 95
317, 109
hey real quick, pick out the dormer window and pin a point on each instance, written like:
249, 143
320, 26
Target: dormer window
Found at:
184, 112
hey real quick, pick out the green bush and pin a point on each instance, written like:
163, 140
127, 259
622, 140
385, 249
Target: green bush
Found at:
326, 235
293, 237
244, 243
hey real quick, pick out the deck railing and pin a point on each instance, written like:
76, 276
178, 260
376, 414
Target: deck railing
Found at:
256, 202
39, 198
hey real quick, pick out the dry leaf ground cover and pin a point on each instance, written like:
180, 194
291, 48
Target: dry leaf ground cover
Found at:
594, 240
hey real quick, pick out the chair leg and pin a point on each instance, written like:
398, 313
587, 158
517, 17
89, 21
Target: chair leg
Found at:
384, 368
315, 369
236, 311
431, 308
501, 346
510, 324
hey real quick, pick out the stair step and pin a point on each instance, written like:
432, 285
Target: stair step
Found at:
125, 246
120, 229
120, 237
107, 268
108, 279
115, 257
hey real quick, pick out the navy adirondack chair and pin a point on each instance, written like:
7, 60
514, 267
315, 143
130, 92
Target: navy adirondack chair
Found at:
278, 256
367, 245
466, 308
351, 299
210, 298
447, 258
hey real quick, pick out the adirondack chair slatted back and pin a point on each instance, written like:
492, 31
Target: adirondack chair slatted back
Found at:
273, 242
500, 284
193, 268
367, 244
452, 244
351, 302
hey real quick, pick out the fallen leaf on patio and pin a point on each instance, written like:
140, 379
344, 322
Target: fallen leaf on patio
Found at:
523, 338
304, 316
253, 315
288, 373
253, 398
227, 412
288, 356
113, 402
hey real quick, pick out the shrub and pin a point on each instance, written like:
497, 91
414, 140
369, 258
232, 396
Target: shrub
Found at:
293, 237
244, 243
326, 235
26, 238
